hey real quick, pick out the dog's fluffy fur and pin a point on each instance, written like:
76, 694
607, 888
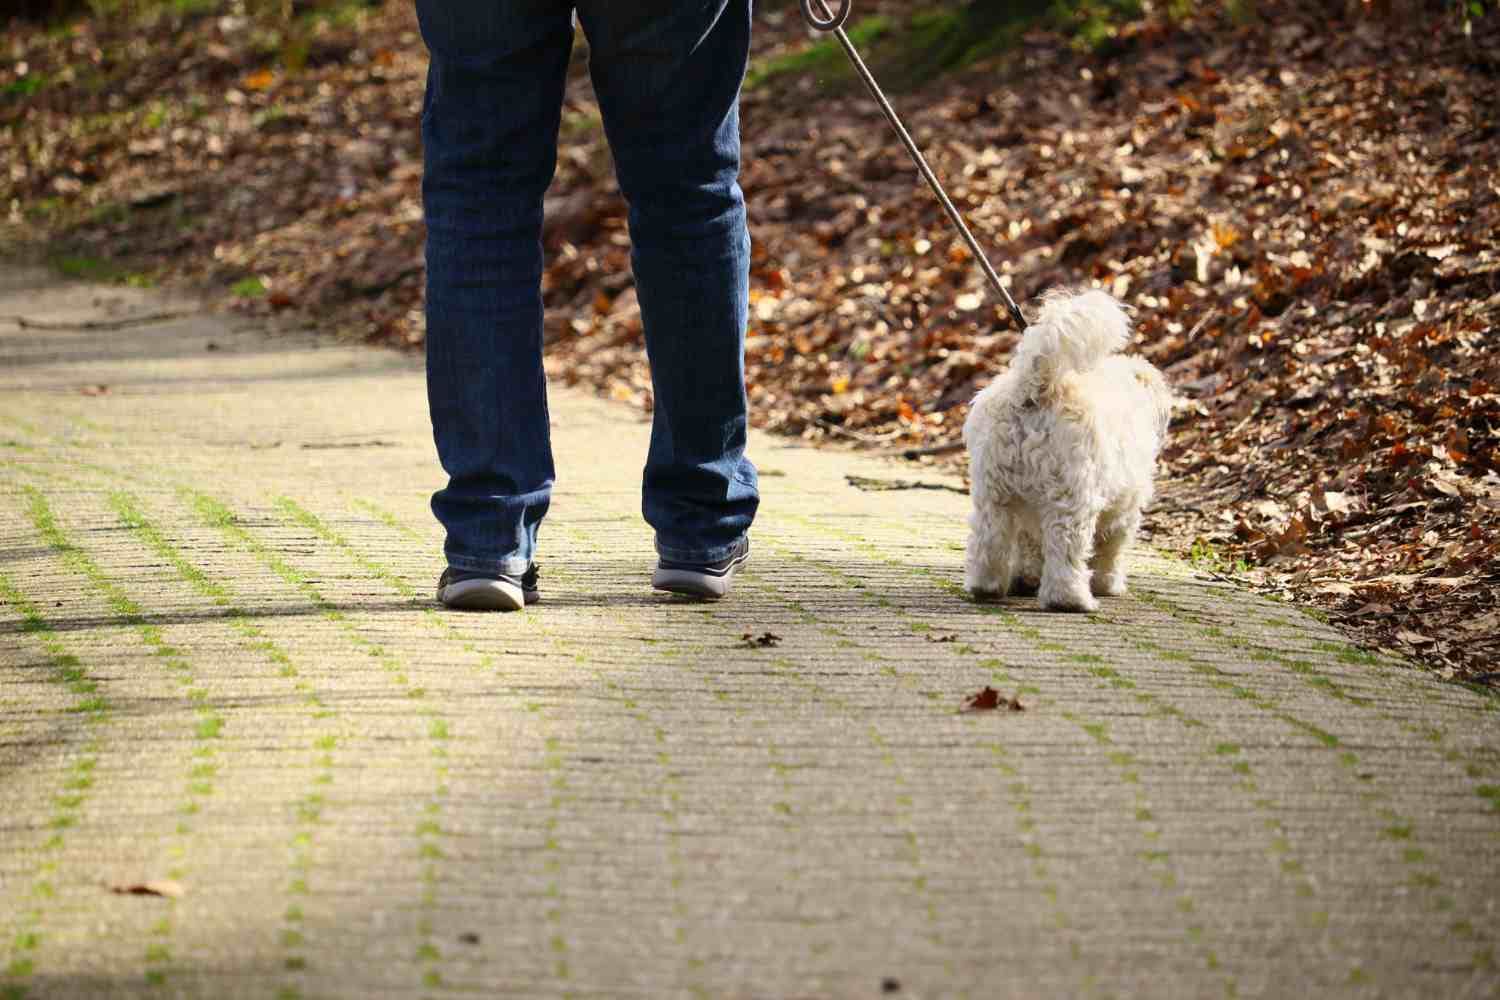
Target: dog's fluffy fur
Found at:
1062, 447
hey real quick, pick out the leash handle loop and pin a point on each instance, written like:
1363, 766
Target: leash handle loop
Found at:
830, 20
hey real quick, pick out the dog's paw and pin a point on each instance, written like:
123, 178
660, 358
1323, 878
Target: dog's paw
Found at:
984, 583
1066, 599
1023, 586
1108, 584
1072, 605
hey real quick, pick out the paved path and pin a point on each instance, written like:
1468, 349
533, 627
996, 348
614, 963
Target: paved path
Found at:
220, 666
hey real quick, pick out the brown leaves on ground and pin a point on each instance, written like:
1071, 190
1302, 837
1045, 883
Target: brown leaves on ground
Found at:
990, 700
166, 888
763, 641
1304, 210
167, 146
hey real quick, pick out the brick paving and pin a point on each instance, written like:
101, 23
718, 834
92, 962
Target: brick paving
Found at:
221, 667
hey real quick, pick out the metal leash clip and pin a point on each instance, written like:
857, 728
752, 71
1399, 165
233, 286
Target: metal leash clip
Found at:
820, 18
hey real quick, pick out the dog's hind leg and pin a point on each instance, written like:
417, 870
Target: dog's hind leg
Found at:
1067, 543
1028, 572
991, 557
1112, 537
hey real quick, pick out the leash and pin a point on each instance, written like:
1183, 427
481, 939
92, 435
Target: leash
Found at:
834, 21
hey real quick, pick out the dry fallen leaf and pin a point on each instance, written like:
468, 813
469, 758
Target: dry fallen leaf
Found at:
984, 701
989, 699
1331, 502
166, 888
260, 80
761, 641
1415, 638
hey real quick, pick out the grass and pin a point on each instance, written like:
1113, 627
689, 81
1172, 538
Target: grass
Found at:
208, 726
930, 42
85, 268
1093, 22
24, 87
1205, 556
823, 60
248, 288
45, 210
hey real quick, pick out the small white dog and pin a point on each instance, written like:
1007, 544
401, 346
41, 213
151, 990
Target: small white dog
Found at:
1062, 447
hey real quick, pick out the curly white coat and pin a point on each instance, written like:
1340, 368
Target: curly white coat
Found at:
1062, 448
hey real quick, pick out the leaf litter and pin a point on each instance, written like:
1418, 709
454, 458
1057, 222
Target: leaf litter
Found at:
165, 888
763, 641
989, 700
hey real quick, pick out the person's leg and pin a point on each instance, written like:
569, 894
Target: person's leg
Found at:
668, 77
489, 132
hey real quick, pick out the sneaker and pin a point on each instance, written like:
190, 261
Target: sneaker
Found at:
709, 581
459, 588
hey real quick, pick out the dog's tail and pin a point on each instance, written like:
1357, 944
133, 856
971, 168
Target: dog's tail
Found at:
1073, 333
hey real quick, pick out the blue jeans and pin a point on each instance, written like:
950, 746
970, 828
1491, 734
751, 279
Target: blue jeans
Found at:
667, 74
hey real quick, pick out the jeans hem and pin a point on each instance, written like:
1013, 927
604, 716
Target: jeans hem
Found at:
697, 555
505, 565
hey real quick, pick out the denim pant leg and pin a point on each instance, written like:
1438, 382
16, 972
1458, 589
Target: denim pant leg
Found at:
667, 74
489, 132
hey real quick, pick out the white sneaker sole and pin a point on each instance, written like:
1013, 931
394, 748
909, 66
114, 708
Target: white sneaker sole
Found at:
483, 595
696, 583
